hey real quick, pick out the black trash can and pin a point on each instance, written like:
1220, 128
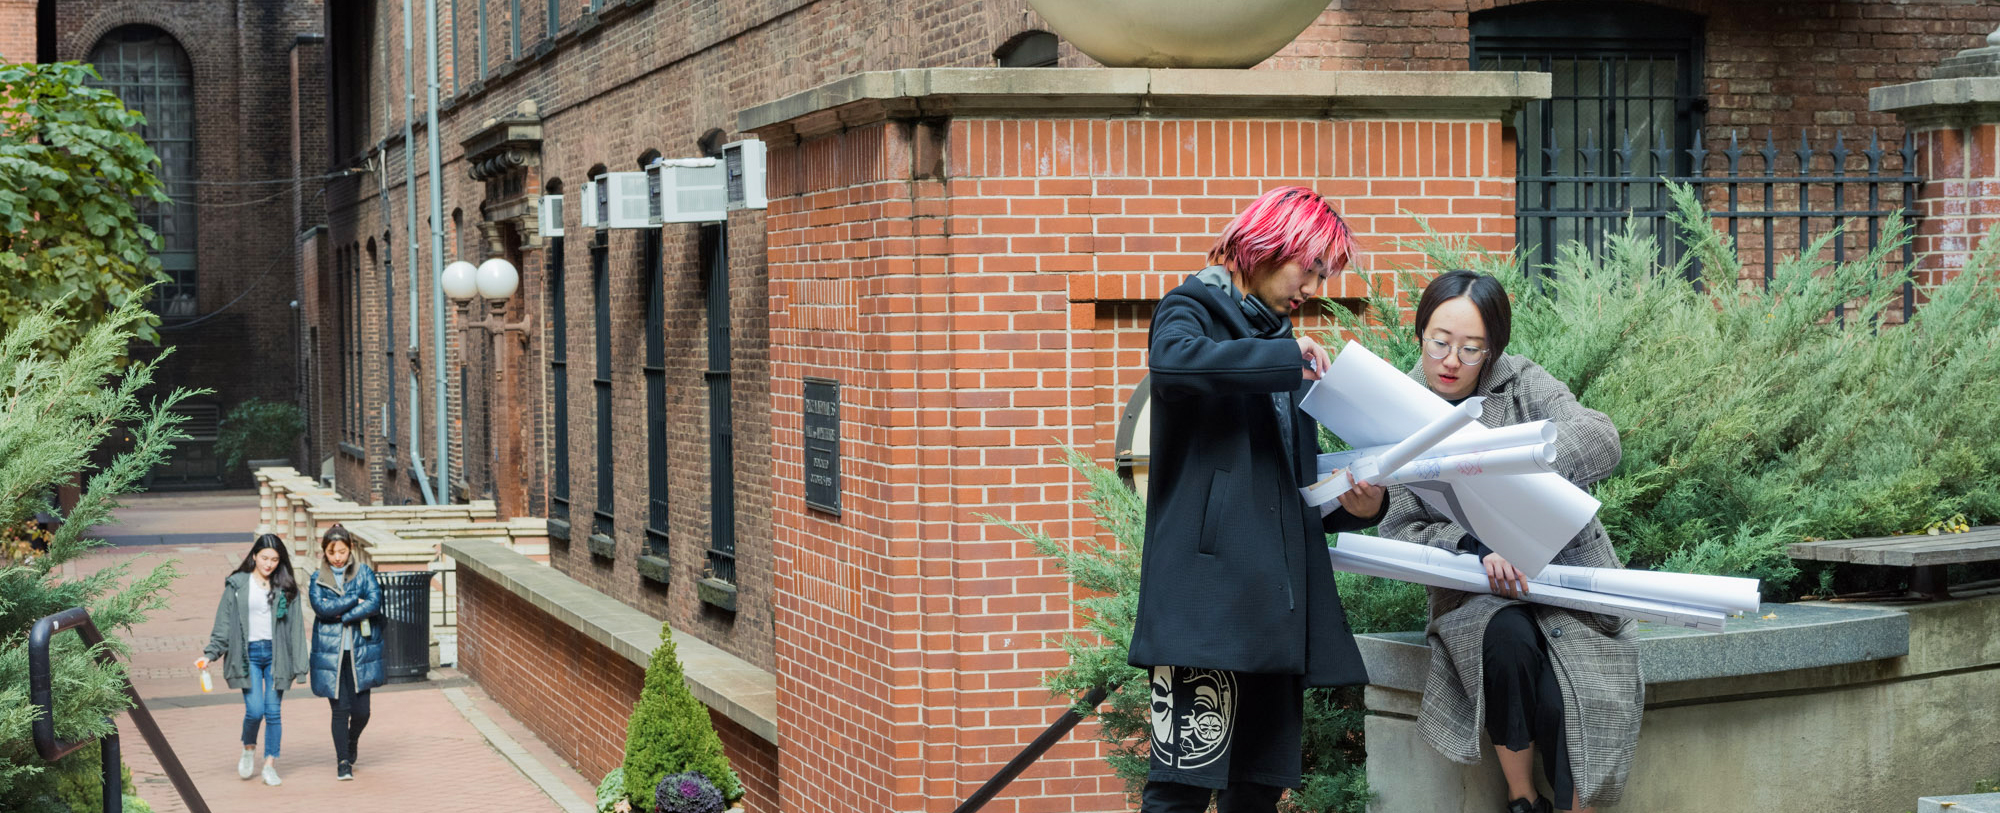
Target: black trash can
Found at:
406, 619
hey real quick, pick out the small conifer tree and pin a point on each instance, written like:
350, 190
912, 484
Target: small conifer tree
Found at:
670, 733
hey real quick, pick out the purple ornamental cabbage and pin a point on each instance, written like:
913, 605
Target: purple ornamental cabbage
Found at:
687, 793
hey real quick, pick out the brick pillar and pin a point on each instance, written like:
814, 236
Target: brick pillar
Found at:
1954, 118
978, 282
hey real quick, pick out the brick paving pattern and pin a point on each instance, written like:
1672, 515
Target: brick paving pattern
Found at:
419, 751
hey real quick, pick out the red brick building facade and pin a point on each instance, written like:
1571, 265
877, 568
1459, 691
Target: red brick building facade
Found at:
217, 83
977, 281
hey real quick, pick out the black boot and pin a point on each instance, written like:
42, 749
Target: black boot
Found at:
1539, 805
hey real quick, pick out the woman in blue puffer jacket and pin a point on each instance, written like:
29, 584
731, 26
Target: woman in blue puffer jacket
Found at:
347, 641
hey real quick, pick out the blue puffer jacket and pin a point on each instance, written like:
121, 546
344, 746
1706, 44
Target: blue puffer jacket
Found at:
339, 612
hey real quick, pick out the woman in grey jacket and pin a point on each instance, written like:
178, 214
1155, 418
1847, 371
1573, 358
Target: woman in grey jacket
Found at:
259, 633
347, 645
1541, 678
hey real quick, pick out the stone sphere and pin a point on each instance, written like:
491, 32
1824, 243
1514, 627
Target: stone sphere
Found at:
1179, 33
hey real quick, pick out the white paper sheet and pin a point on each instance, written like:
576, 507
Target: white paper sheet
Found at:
1349, 558
1528, 518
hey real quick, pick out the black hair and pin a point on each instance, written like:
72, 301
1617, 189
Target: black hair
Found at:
281, 578
339, 533
1487, 295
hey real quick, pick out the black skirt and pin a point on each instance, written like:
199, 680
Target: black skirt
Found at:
1523, 700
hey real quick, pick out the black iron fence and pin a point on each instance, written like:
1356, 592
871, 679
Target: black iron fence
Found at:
1771, 200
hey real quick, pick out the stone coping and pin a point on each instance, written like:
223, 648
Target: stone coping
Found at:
1804, 635
518, 526
1967, 803
1959, 102
865, 98
730, 685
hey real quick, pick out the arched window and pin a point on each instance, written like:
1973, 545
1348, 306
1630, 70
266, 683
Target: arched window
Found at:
1028, 49
148, 69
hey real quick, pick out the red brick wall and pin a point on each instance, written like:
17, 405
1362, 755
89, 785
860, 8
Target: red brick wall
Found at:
978, 325
1961, 200
574, 693
17, 31
1784, 64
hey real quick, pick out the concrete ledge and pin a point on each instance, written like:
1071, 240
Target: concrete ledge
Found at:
1969, 803
1801, 636
1959, 102
1139, 92
730, 685
1823, 707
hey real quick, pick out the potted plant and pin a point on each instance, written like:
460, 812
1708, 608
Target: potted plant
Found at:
259, 433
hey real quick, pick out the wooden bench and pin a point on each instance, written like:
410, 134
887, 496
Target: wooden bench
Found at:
1926, 555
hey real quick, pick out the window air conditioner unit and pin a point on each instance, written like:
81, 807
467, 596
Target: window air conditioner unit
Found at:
621, 200
590, 218
744, 161
550, 218
686, 190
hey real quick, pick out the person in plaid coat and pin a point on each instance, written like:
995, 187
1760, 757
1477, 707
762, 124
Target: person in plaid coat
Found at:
1540, 679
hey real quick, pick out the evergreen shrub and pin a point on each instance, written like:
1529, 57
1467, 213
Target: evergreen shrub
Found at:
670, 733
57, 403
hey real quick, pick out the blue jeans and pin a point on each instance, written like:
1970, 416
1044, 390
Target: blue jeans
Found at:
261, 701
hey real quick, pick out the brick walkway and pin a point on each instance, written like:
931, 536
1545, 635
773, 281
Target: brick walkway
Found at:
437, 745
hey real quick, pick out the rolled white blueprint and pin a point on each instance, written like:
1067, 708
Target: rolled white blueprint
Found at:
1499, 462
1420, 441
1687, 590
1374, 468
1659, 612
1533, 433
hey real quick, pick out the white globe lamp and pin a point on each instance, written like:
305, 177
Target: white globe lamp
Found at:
458, 280
497, 279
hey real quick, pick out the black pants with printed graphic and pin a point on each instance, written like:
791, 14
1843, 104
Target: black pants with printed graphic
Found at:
1233, 732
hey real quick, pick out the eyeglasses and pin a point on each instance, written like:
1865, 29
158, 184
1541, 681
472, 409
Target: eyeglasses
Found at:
1468, 356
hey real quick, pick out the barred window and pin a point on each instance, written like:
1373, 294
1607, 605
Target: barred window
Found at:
151, 73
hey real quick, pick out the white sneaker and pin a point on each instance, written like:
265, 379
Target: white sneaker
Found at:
247, 766
271, 775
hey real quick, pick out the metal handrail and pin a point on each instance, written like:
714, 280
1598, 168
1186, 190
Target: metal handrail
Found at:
41, 693
1033, 752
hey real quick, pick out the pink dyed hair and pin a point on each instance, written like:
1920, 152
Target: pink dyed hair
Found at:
1286, 224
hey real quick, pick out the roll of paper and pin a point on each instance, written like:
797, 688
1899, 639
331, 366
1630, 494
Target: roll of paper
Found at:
1499, 462
1423, 439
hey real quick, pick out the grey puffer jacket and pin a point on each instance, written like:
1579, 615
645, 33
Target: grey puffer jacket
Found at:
229, 638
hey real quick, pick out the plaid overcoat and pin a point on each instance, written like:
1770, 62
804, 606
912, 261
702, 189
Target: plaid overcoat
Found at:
1595, 657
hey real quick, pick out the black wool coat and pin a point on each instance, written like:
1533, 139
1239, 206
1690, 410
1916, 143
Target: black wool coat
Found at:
1234, 574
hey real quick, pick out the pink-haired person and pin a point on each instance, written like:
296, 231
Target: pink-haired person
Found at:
1238, 612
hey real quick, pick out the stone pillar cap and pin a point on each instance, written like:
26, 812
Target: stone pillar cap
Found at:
1143, 93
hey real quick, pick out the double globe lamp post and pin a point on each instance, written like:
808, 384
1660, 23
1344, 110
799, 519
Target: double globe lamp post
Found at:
495, 281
